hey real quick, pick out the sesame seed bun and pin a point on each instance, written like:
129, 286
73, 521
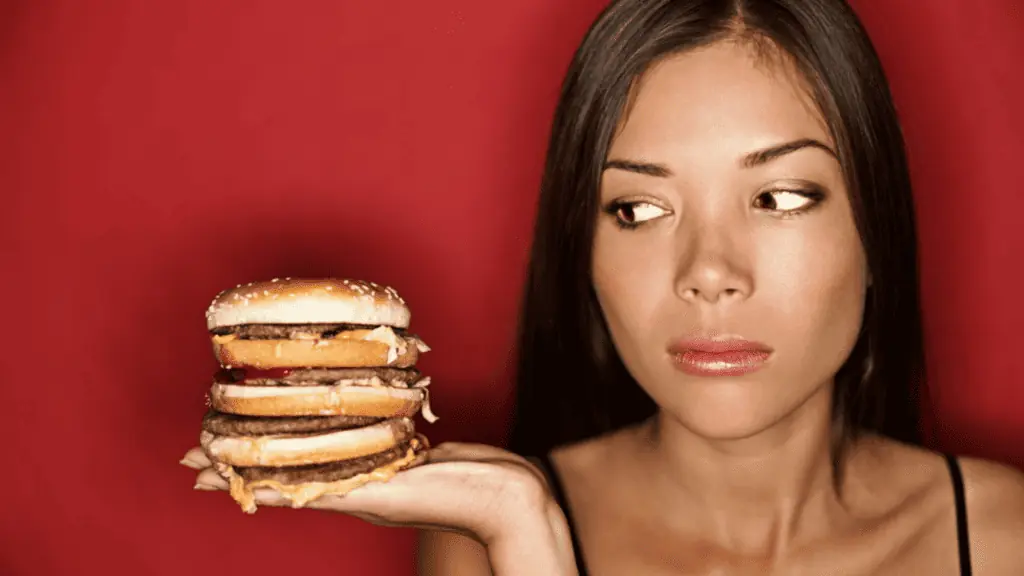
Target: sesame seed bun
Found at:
308, 301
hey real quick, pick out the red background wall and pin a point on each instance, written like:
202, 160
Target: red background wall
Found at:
154, 153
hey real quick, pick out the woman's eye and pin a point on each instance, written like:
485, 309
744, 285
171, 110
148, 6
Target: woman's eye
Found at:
630, 214
785, 200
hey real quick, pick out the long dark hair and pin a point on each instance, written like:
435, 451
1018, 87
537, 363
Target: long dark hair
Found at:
571, 383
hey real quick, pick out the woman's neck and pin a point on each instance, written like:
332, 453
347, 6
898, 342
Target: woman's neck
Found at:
753, 495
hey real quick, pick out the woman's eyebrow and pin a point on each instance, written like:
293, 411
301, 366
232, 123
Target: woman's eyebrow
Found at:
750, 160
765, 155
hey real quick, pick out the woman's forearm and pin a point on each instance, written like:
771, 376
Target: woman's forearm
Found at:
540, 544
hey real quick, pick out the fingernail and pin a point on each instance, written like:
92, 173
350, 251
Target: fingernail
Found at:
206, 487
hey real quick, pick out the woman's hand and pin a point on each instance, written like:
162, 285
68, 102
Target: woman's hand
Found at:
494, 496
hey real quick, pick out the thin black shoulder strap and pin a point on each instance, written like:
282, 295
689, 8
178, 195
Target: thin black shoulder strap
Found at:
962, 538
558, 491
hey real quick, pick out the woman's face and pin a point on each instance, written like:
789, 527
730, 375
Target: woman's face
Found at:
726, 216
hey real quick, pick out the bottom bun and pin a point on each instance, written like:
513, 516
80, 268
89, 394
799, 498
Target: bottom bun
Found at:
303, 485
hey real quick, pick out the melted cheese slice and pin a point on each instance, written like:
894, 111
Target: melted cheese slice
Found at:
397, 345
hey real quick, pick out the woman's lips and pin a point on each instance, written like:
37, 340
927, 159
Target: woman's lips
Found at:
733, 357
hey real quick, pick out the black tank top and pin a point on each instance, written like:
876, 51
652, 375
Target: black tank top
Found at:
963, 544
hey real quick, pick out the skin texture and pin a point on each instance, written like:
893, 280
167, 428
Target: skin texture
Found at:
715, 259
735, 471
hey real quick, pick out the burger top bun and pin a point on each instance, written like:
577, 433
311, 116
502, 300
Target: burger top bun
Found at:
308, 301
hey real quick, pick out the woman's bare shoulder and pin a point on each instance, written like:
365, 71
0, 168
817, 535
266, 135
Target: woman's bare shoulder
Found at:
995, 515
993, 490
994, 496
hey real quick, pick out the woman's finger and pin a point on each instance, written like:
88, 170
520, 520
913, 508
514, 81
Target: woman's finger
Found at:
271, 497
469, 451
460, 451
196, 459
209, 479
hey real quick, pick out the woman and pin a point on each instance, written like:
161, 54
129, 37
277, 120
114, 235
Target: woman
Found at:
721, 343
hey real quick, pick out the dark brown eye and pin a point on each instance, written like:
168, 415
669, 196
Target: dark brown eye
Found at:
784, 200
626, 214
636, 213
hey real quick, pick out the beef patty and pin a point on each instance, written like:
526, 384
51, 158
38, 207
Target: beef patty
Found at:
334, 471
317, 376
295, 331
223, 424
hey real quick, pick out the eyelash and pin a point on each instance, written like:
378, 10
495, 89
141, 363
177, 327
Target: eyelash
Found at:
814, 195
613, 208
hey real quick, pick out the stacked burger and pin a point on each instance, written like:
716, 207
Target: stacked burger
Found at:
317, 388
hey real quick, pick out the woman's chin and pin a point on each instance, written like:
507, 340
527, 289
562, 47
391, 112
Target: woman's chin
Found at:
731, 428
724, 417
